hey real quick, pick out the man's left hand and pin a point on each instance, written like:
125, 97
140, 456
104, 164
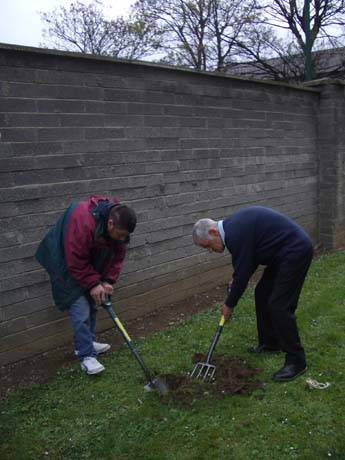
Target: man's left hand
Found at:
108, 288
226, 312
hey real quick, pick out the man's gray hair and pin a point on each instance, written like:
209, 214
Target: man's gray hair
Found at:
201, 228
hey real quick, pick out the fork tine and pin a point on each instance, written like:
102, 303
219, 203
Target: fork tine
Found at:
210, 372
203, 371
195, 370
200, 371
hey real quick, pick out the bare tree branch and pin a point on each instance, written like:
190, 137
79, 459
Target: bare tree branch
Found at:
198, 33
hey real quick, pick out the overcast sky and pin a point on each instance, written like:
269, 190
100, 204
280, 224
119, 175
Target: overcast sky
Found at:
20, 22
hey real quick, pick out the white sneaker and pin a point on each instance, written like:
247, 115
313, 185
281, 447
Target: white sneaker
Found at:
91, 366
100, 347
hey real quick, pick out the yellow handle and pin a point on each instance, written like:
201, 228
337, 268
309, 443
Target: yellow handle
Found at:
123, 330
222, 321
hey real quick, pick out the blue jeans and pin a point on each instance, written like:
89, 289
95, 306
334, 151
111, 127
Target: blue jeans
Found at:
83, 319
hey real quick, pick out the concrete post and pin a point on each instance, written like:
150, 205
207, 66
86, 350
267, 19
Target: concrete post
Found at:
331, 151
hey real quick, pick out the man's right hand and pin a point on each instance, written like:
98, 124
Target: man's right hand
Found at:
226, 312
98, 294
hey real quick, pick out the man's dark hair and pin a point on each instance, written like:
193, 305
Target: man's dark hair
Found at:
124, 217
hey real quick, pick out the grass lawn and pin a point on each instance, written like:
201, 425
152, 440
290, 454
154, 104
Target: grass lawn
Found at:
110, 417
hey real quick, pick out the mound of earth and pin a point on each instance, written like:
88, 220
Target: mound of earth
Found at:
233, 376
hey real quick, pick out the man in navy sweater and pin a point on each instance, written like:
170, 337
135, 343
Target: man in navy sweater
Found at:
261, 236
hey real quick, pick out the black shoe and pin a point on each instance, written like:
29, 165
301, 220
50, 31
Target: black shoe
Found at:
289, 372
263, 349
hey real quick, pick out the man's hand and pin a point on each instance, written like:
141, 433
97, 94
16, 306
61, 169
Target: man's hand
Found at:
226, 312
108, 288
98, 294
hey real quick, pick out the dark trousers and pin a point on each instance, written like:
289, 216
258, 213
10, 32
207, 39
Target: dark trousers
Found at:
276, 299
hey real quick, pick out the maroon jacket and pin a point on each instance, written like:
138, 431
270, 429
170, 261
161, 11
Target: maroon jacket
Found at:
75, 254
91, 259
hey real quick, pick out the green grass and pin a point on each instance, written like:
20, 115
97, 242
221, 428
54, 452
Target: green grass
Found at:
110, 417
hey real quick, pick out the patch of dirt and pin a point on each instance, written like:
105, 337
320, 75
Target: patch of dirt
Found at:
233, 376
43, 368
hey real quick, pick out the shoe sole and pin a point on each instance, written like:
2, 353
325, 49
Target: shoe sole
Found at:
292, 378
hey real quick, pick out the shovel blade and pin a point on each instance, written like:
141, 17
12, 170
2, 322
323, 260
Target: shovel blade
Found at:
203, 371
158, 385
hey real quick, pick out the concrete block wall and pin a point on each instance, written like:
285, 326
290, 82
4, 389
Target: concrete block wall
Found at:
331, 153
176, 145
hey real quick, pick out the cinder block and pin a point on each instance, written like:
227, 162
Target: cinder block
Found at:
29, 90
36, 148
17, 252
162, 166
123, 95
85, 146
22, 280
191, 165
104, 133
16, 267
25, 307
87, 120
43, 316
180, 110
60, 106
18, 134
60, 134
109, 107
194, 143
17, 104
29, 336
12, 327
84, 93
32, 120
118, 120
164, 143
140, 181
28, 221
161, 121
35, 347
9, 73
144, 109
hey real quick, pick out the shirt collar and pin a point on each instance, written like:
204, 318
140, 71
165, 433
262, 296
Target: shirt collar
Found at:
221, 231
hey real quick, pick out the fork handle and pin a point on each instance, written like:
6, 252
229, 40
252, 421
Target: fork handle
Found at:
215, 339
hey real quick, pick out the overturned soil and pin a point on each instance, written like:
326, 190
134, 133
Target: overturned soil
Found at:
233, 376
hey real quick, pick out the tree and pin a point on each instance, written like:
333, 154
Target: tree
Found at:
198, 34
207, 34
313, 24
309, 21
83, 28
229, 22
262, 54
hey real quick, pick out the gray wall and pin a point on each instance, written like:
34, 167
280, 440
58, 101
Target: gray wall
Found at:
176, 145
331, 154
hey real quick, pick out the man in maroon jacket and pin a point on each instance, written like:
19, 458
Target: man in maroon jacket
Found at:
83, 254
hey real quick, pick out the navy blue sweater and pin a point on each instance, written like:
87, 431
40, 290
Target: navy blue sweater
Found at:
260, 236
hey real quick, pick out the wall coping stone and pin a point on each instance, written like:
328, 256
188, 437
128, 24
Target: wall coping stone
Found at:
325, 82
75, 55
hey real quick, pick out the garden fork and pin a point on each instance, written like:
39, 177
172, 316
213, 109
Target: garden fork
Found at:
205, 370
